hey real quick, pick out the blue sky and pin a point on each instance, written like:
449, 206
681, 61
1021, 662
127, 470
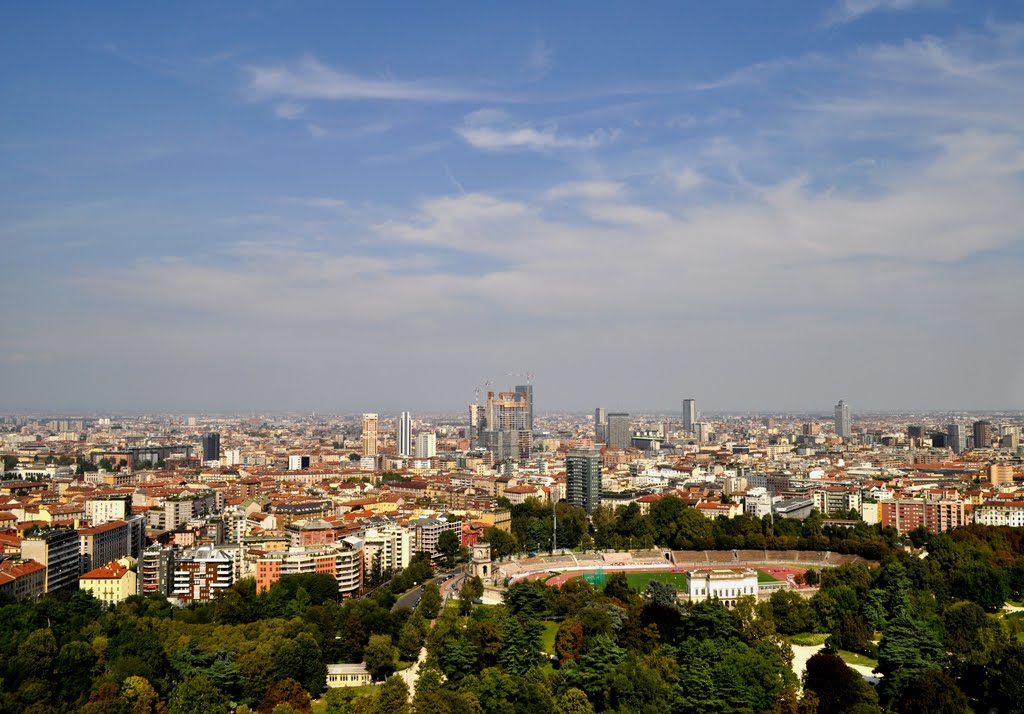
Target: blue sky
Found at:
270, 206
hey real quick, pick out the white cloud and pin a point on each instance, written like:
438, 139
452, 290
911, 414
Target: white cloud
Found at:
289, 110
850, 10
492, 130
686, 179
309, 79
592, 190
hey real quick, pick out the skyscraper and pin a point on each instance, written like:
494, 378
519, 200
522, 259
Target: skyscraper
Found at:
369, 434
403, 435
524, 392
583, 478
689, 414
600, 425
617, 432
955, 438
504, 425
842, 415
982, 434
211, 447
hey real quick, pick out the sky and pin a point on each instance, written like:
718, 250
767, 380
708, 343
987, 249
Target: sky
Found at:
344, 207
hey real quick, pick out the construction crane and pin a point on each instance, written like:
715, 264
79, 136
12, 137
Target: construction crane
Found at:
528, 376
476, 391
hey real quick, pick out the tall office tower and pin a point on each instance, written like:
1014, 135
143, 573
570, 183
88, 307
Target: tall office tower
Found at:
915, 432
426, 445
843, 420
617, 432
955, 438
702, 431
982, 434
689, 415
524, 392
583, 478
600, 425
504, 426
211, 446
404, 434
369, 434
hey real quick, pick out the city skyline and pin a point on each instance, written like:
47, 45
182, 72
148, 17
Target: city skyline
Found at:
815, 201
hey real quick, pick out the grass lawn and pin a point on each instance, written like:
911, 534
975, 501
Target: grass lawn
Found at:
809, 639
763, 577
854, 658
547, 638
639, 581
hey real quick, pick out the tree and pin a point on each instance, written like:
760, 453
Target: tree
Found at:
300, 659
503, 544
393, 696
520, 646
198, 695
448, 545
430, 602
287, 692
932, 691
791, 612
838, 688
528, 598
472, 589
908, 648
573, 701
569, 640
458, 658
75, 670
380, 656
410, 640
141, 697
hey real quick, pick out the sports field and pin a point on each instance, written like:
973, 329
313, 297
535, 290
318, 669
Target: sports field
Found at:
639, 580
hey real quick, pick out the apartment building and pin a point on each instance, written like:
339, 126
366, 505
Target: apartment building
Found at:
343, 561
198, 576
57, 549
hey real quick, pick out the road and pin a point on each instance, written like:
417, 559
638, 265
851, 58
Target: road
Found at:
409, 600
449, 589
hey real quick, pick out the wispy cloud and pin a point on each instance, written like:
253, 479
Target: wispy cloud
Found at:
850, 10
323, 202
539, 58
492, 130
686, 179
289, 110
310, 79
590, 190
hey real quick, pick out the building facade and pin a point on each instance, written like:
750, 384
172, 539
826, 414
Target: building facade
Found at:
369, 435
689, 415
618, 434
843, 425
211, 447
343, 561
426, 445
198, 576
583, 478
57, 550
403, 434
726, 584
